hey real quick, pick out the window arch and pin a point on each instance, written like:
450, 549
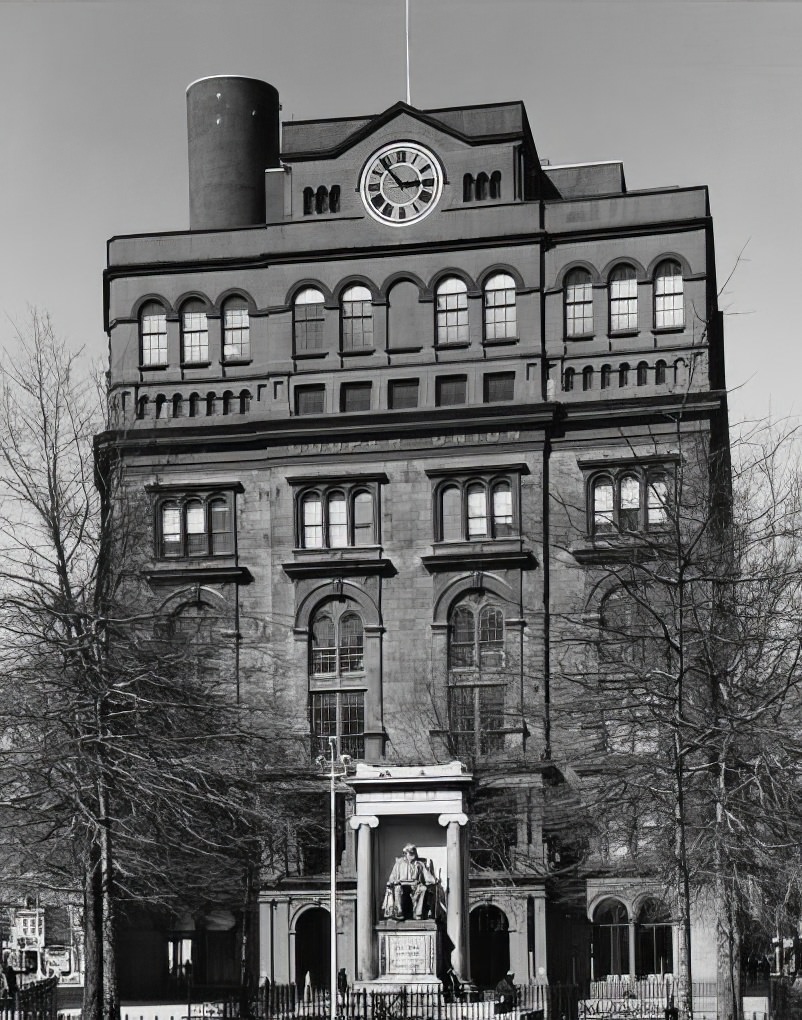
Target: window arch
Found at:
451, 302
337, 517
153, 334
307, 321
623, 299
194, 333
610, 939
356, 319
475, 510
501, 316
337, 654
236, 330
654, 951
476, 691
669, 311
196, 525
578, 303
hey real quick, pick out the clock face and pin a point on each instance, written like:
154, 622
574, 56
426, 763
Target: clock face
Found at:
401, 184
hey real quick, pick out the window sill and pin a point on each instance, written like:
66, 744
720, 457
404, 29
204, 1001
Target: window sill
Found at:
620, 548
660, 330
495, 552
354, 560
154, 368
578, 336
309, 355
213, 568
456, 346
359, 351
226, 362
416, 349
623, 334
504, 341
196, 364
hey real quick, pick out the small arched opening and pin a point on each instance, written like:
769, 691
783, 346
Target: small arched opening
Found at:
490, 945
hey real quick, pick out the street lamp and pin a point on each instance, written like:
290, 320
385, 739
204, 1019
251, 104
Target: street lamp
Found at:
337, 767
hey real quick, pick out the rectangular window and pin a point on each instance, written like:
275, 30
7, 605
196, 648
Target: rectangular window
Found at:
451, 390
477, 513
355, 396
499, 386
171, 532
196, 531
402, 393
339, 714
308, 328
236, 334
476, 718
194, 524
196, 337
154, 339
310, 399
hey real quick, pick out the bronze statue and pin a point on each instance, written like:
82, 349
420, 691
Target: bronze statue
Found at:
408, 887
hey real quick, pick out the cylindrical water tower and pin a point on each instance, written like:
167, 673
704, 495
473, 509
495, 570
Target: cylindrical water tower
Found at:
233, 131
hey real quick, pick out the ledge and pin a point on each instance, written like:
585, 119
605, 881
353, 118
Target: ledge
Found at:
618, 549
495, 552
338, 562
198, 570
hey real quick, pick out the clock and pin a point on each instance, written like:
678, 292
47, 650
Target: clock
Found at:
401, 183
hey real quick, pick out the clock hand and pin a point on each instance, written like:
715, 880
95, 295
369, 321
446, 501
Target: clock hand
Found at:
395, 177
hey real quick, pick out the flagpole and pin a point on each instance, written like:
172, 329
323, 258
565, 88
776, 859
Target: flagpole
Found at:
409, 99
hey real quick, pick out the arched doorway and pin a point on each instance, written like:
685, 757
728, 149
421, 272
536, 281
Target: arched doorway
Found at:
654, 942
312, 941
610, 939
490, 945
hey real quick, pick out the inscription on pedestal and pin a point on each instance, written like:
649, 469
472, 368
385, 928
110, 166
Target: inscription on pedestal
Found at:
407, 954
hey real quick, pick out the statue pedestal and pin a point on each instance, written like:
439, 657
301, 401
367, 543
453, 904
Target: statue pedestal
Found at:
409, 953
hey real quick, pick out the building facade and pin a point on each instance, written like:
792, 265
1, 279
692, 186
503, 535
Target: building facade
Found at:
388, 398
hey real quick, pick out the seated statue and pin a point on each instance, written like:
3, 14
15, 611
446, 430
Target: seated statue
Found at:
408, 886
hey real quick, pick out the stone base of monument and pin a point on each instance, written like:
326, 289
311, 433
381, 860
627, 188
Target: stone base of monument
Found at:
409, 954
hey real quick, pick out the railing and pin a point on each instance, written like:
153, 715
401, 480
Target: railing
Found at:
36, 1001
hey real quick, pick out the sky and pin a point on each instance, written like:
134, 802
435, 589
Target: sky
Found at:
684, 92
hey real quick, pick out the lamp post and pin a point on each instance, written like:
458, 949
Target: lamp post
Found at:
337, 766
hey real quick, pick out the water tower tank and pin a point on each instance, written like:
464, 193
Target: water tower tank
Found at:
233, 132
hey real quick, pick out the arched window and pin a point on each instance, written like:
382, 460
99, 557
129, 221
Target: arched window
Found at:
603, 519
495, 184
629, 504
578, 303
194, 333
337, 652
680, 372
501, 317
334, 198
228, 402
610, 939
322, 200
467, 188
669, 311
605, 377
623, 374
660, 373
482, 182
452, 311
475, 510
309, 201
196, 526
336, 518
587, 378
236, 330
307, 321
194, 405
568, 379
153, 334
211, 404
657, 499
476, 689
337, 642
178, 405
244, 401
642, 374
629, 632
654, 952
162, 407
623, 300
357, 319
142, 407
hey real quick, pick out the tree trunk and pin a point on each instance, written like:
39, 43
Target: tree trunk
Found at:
111, 995
93, 949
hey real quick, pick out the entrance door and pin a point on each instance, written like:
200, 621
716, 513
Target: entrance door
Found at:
312, 941
490, 945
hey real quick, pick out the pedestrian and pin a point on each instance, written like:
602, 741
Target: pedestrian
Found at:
342, 986
506, 994
10, 977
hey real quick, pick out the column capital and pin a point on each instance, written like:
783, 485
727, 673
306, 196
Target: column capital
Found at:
356, 820
458, 816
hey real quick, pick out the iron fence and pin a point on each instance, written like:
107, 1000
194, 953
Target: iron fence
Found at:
36, 1001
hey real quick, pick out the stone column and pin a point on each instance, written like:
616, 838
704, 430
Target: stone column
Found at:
456, 893
632, 949
540, 961
364, 894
